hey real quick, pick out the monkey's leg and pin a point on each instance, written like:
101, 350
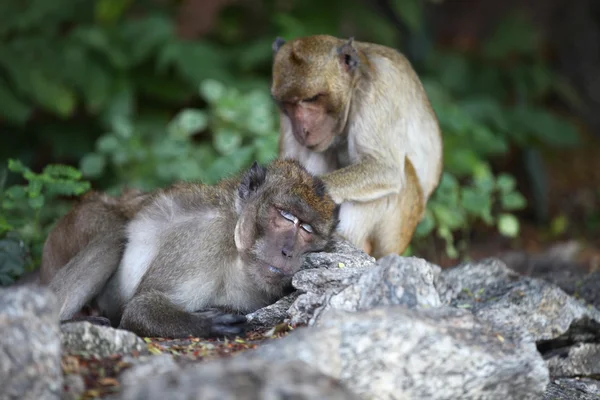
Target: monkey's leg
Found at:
356, 222
85, 275
153, 314
403, 213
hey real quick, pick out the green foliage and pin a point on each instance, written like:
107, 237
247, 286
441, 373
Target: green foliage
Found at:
485, 104
24, 217
142, 153
109, 86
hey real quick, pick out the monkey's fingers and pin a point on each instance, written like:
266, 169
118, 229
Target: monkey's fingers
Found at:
228, 330
229, 325
230, 319
95, 320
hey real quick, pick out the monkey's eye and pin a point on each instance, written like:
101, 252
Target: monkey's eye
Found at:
312, 99
307, 228
288, 216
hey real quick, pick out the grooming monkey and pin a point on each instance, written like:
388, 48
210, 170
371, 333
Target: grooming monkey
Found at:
194, 253
356, 114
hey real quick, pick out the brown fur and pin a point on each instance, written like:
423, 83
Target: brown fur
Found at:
356, 114
173, 263
96, 214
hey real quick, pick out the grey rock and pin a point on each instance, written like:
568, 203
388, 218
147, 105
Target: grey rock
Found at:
558, 266
509, 302
317, 285
30, 346
581, 359
340, 251
147, 366
394, 280
273, 314
74, 386
101, 341
472, 278
239, 379
399, 353
572, 389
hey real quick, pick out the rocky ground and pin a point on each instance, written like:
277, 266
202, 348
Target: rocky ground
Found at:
398, 328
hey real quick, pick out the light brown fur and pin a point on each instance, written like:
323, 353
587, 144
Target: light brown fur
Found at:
356, 114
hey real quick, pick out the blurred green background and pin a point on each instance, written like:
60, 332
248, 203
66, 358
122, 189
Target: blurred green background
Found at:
114, 93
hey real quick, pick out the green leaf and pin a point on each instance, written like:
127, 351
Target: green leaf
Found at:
12, 108
410, 11
514, 34
426, 226
508, 225
212, 90
483, 178
450, 218
505, 183
194, 61
226, 141
476, 202
17, 166
188, 122
17, 193
36, 202
513, 201
92, 165
108, 143
51, 94
108, 11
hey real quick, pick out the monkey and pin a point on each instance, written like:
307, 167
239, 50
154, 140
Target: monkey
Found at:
356, 115
91, 234
197, 257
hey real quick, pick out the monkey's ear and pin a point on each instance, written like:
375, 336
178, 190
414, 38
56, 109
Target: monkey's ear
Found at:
251, 180
348, 55
277, 44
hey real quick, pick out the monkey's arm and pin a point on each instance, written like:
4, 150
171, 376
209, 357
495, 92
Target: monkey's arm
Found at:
364, 181
151, 313
84, 276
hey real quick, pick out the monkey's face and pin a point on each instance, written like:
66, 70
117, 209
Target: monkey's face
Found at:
312, 85
285, 215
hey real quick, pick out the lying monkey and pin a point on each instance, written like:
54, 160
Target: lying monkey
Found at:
194, 253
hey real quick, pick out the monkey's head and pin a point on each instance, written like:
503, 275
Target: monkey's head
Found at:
284, 213
313, 81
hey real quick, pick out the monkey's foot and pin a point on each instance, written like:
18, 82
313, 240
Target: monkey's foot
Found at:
91, 319
222, 324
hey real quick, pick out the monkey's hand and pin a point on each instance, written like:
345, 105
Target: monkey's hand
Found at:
365, 181
222, 324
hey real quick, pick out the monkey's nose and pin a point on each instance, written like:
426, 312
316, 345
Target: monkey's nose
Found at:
286, 252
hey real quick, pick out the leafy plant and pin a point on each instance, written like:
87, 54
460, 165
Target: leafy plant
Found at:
197, 144
24, 219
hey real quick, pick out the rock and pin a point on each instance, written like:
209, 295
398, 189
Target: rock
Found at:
147, 366
74, 386
581, 359
273, 314
392, 280
572, 389
398, 353
559, 267
317, 285
101, 341
238, 379
340, 251
30, 346
498, 295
